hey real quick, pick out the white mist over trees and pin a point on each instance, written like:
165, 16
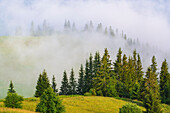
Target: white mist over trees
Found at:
39, 41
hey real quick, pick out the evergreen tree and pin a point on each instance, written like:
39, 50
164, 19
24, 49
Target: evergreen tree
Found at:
154, 64
151, 94
135, 65
91, 74
11, 88
111, 87
42, 84
124, 75
80, 86
104, 74
129, 81
39, 87
139, 71
50, 103
96, 63
64, 89
72, 83
136, 91
118, 64
54, 85
86, 78
164, 81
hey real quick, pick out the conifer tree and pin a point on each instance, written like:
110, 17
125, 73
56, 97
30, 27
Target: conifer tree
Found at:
91, 74
154, 64
72, 83
54, 85
42, 84
164, 82
118, 64
151, 93
64, 89
11, 88
139, 71
80, 86
135, 65
124, 75
39, 87
104, 74
130, 78
86, 78
135, 94
50, 103
96, 63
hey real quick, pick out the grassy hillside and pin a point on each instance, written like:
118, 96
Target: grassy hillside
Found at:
79, 104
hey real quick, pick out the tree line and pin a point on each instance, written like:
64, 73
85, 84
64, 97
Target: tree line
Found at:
122, 78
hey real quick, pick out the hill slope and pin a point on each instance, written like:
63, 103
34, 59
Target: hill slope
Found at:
76, 104
80, 104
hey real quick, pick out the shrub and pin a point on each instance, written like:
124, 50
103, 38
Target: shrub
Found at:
49, 102
87, 94
13, 100
99, 93
93, 92
130, 108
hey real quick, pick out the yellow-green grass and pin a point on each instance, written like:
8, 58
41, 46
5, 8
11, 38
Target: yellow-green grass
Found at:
14, 110
81, 104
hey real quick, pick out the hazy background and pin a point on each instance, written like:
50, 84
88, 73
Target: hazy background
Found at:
22, 58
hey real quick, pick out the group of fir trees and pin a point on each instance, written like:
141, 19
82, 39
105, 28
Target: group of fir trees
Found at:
43, 84
68, 87
123, 78
86, 78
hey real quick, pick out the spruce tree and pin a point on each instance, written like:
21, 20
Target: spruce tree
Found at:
96, 63
164, 82
87, 78
64, 89
154, 64
139, 71
50, 103
42, 84
80, 86
104, 74
135, 66
135, 94
72, 83
151, 93
11, 88
54, 85
39, 87
91, 74
118, 64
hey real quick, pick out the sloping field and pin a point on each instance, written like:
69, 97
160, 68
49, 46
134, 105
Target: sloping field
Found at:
80, 104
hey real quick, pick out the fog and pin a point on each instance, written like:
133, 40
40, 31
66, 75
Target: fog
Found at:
24, 57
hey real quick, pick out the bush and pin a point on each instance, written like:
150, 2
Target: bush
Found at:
13, 100
130, 108
93, 92
99, 93
87, 94
49, 102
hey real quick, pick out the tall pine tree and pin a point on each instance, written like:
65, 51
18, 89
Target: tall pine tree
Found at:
104, 74
11, 88
64, 89
54, 85
87, 78
80, 86
118, 64
42, 84
164, 82
72, 83
151, 93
